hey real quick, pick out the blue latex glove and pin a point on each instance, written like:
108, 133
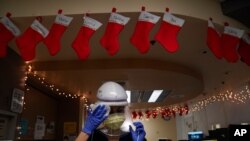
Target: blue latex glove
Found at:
139, 133
94, 119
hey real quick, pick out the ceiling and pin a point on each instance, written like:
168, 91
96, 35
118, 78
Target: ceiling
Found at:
191, 71
237, 9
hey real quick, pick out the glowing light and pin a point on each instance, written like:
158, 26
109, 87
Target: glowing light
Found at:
238, 96
154, 96
128, 96
31, 73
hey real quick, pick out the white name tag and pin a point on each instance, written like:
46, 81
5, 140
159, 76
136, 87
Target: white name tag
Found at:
63, 20
246, 38
37, 26
210, 24
145, 16
117, 18
10, 26
91, 23
233, 31
173, 19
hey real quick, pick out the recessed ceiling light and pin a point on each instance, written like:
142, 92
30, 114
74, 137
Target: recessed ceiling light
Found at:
155, 95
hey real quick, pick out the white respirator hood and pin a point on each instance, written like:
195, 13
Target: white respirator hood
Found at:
112, 94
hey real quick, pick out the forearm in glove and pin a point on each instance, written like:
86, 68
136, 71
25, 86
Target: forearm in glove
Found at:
94, 119
139, 133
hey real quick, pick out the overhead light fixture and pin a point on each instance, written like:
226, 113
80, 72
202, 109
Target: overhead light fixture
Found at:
128, 96
155, 95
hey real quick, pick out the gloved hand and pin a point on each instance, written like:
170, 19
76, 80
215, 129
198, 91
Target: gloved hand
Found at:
139, 133
94, 119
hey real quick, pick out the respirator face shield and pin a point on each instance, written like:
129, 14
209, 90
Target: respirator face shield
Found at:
111, 126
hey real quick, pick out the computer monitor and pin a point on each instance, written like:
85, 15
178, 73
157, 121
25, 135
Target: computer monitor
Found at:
195, 136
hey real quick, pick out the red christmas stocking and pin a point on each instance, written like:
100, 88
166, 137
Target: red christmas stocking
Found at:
27, 42
244, 49
214, 40
8, 31
81, 42
52, 41
169, 29
110, 39
140, 37
229, 43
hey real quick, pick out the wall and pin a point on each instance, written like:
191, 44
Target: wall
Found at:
223, 113
12, 73
159, 128
37, 103
55, 109
11, 76
68, 112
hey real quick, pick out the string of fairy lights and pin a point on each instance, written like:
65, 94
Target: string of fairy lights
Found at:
56, 90
238, 96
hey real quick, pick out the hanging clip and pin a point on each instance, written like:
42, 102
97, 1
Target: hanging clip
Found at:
113, 9
59, 11
8, 14
39, 18
210, 18
143, 8
226, 24
87, 14
167, 9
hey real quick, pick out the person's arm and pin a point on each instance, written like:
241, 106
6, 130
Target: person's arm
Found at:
139, 133
94, 119
82, 137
